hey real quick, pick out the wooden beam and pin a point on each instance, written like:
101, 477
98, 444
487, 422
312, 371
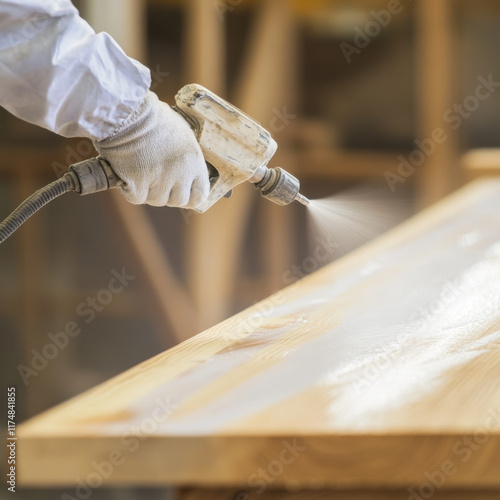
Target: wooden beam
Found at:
207, 247
267, 92
49, 160
438, 175
265, 87
325, 163
124, 20
215, 241
205, 45
173, 301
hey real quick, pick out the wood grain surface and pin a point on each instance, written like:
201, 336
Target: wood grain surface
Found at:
379, 370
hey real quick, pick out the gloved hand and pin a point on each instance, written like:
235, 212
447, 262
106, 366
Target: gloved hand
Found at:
157, 155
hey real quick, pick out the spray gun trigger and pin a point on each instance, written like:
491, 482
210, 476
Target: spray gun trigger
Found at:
213, 175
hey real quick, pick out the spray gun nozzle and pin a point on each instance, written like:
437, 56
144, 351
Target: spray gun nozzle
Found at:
278, 185
302, 199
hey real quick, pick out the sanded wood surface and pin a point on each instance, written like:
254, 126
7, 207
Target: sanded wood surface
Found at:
380, 370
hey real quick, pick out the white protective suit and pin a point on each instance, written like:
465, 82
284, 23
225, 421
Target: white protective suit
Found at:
56, 72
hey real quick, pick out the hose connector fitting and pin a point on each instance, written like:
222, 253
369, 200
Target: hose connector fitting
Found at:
278, 185
94, 175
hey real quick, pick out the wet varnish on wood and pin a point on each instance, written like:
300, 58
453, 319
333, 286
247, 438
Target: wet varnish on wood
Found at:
375, 371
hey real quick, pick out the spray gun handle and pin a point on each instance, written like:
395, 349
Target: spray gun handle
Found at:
96, 174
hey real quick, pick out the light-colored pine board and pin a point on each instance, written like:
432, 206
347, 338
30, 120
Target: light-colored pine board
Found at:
376, 370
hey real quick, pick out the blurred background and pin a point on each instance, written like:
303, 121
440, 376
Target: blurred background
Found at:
351, 91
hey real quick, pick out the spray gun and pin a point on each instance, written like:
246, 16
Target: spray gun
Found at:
236, 149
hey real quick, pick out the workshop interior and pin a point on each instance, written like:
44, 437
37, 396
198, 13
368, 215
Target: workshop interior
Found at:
382, 108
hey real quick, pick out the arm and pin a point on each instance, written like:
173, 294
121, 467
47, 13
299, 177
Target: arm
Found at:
58, 73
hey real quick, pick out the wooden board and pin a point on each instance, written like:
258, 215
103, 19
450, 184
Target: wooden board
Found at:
380, 370
481, 162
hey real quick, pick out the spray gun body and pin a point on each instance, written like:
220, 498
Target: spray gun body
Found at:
236, 149
236, 146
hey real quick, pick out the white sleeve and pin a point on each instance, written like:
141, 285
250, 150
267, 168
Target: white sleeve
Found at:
56, 72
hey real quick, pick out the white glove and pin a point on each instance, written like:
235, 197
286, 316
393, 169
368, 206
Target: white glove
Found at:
156, 154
